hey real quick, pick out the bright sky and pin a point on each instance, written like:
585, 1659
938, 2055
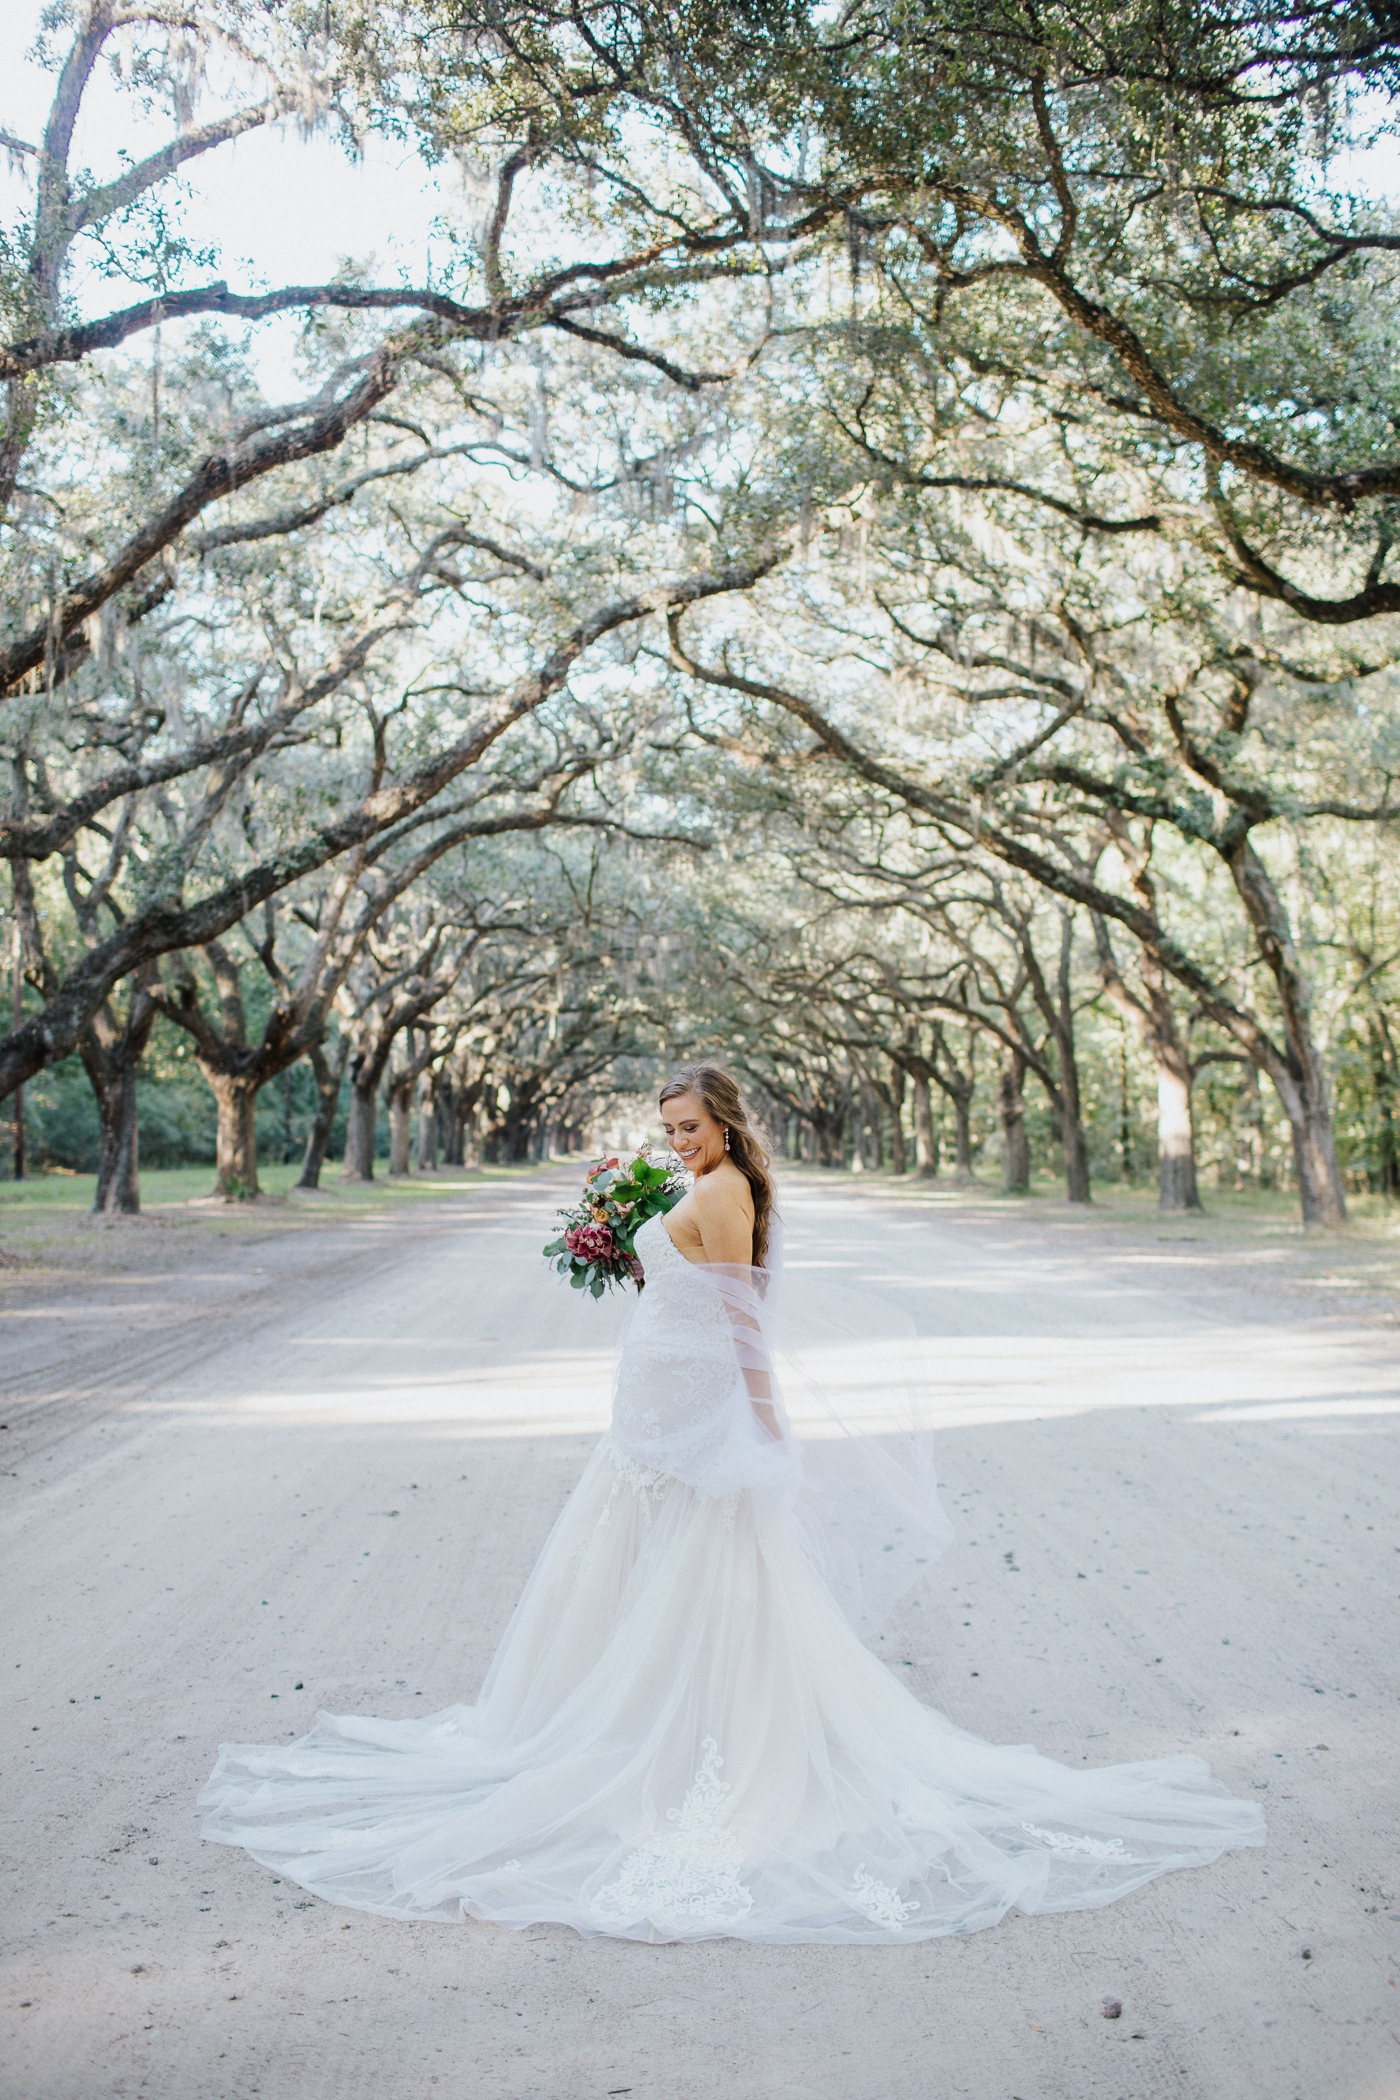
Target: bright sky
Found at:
280, 209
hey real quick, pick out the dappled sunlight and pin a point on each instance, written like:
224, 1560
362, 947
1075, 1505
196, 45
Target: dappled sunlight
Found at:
991, 1378
527, 1393
1225, 1375
1302, 1410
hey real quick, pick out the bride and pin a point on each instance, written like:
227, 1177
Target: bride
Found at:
681, 1735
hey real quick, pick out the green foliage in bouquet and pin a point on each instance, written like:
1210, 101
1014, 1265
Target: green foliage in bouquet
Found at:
595, 1248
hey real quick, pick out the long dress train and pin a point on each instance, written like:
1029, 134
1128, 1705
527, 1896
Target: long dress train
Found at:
682, 1737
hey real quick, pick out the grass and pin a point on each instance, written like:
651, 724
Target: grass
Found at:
47, 1221
48, 1218
1268, 1209
1256, 1234
162, 1187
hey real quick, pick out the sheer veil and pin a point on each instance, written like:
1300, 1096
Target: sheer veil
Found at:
796, 1387
858, 1408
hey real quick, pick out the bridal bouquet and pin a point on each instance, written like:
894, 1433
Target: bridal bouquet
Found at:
595, 1247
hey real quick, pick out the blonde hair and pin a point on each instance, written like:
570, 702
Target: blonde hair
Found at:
718, 1091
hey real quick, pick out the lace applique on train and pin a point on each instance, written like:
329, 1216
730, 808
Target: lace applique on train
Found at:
879, 1902
686, 1879
643, 1480
1078, 1847
647, 1485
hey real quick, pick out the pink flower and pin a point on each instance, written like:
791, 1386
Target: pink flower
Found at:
593, 1243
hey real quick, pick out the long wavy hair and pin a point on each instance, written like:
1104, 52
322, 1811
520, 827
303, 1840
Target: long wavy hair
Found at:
718, 1091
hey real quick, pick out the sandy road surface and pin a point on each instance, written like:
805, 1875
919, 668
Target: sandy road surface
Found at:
317, 1472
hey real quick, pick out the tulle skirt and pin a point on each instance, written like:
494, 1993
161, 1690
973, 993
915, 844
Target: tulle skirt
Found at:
682, 1738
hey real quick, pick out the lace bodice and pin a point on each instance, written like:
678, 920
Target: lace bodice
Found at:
680, 1403
656, 1250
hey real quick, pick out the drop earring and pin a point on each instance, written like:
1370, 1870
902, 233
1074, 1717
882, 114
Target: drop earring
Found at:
726, 1137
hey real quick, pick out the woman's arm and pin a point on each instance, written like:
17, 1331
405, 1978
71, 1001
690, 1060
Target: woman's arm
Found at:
726, 1233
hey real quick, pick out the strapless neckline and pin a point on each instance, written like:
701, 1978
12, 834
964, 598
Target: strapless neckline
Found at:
653, 1237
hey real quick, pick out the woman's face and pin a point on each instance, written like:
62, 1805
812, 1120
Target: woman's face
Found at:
693, 1132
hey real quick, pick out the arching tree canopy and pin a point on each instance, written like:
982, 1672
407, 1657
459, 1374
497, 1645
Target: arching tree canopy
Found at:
870, 546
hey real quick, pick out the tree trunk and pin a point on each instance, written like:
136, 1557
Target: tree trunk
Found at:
288, 1146
118, 1167
1176, 1143
328, 1074
1076, 1149
1300, 1081
111, 1056
427, 1126
512, 1138
1015, 1146
400, 1103
830, 1130
107, 1092
235, 1143
925, 1130
899, 1161
1154, 1021
17, 991
448, 1099
1315, 1156
859, 1137
962, 1115
961, 1089
1386, 1176
119, 1176
1176, 1135
874, 1130
1072, 1138
1254, 1167
359, 1134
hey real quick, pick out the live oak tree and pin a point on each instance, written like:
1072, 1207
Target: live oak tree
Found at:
91, 559
1035, 701
974, 348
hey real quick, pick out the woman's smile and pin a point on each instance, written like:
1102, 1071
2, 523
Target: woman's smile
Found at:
695, 1136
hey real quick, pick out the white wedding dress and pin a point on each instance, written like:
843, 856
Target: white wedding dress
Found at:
681, 1735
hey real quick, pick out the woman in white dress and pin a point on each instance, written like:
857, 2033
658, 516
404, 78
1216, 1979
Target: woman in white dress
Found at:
681, 1735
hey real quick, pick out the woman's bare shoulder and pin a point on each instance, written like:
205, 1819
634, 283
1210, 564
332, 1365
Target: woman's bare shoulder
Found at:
726, 1189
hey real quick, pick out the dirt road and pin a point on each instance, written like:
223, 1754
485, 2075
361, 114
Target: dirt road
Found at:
315, 1472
